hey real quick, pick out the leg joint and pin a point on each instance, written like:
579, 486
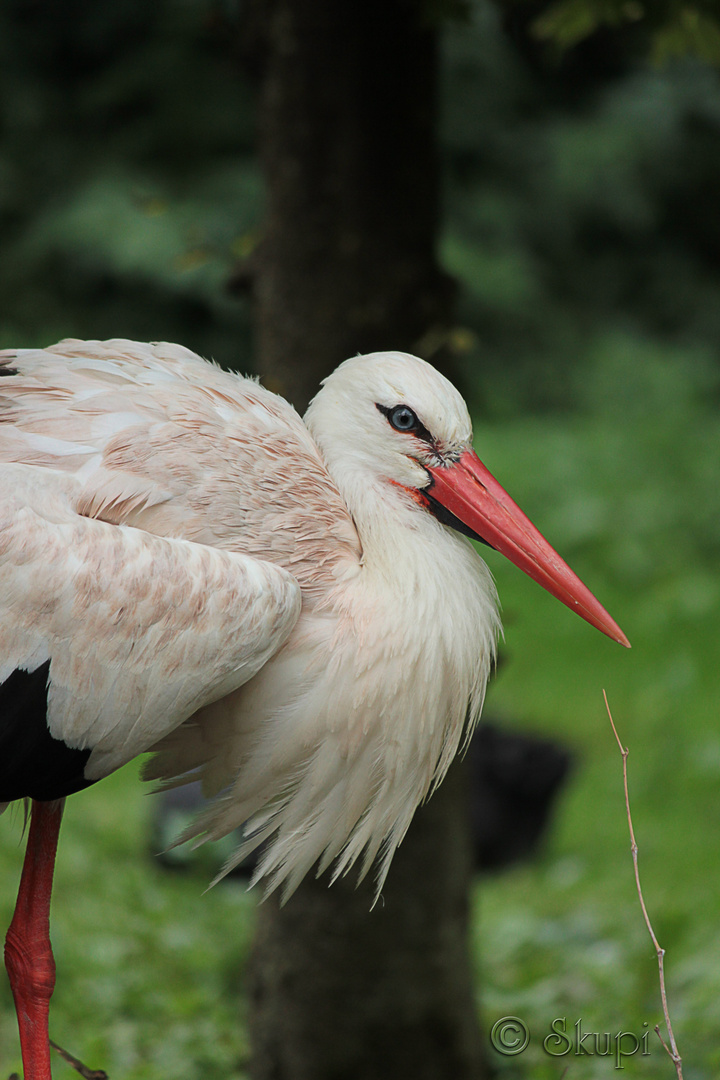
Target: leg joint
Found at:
31, 971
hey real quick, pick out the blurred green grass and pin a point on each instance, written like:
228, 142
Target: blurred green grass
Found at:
627, 492
150, 971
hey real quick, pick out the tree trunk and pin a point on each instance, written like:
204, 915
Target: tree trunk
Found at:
347, 265
347, 141
340, 991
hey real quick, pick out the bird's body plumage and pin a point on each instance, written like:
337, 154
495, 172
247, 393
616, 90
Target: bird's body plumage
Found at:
260, 601
286, 610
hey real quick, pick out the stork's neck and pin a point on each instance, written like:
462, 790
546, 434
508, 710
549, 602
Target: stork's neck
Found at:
398, 536
405, 549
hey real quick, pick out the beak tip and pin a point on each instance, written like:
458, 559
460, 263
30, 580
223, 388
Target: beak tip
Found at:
614, 632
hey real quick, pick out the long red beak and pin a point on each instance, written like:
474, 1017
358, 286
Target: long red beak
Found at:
472, 494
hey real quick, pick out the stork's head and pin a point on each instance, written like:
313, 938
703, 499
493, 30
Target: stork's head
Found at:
391, 419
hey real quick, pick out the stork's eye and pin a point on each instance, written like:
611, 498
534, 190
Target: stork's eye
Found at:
403, 418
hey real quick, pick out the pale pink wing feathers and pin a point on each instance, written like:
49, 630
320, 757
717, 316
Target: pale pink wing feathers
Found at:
140, 630
164, 441
110, 449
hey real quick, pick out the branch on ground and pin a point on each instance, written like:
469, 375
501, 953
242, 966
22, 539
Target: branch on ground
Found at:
672, 1050
87, 1074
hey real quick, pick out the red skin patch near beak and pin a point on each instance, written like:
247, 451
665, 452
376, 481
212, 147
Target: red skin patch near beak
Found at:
416, 494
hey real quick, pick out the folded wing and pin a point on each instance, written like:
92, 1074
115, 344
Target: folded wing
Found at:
162, 440
134, 632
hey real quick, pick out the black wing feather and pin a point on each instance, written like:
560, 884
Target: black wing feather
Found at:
33, 764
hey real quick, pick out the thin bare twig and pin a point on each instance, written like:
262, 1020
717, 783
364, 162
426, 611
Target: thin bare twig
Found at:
672, 1050
87, 1074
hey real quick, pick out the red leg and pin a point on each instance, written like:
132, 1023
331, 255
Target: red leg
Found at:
28, 953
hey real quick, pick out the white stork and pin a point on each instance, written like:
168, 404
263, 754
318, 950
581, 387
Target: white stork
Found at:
286, 610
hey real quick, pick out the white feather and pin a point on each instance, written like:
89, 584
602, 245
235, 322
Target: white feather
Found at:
320, 737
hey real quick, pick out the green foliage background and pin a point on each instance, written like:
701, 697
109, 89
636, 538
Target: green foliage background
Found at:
581, 221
